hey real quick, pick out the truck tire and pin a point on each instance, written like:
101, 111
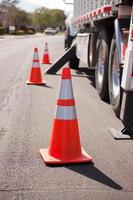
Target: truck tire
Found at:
101, 71
92, 50
114, 79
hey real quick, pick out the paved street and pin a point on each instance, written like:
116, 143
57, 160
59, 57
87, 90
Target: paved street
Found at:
26, 116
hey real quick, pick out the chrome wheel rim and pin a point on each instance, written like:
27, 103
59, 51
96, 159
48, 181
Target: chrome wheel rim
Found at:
115, 77
100, 66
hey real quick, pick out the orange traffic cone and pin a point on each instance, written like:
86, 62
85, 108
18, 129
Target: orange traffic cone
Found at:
65, 144
46, 59
35, 73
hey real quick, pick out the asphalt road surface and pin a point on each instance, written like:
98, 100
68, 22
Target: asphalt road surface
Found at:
26, 117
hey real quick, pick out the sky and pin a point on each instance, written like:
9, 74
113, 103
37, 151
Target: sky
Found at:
31, 5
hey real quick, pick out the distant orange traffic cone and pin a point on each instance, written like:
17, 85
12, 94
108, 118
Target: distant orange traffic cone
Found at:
46, 59
35, 73
65, 144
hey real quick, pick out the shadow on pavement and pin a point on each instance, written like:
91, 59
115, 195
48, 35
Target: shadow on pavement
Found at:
45, 85
89, 73
82, 72
90, 171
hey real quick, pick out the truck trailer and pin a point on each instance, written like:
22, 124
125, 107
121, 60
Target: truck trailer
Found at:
101, 42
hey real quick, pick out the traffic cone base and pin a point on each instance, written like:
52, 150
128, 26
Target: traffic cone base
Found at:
66, 131
32, 83
46, 59
35, 77
83, 158
65, 152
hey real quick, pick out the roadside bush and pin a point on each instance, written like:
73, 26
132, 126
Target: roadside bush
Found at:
19, 32
2, 31
23, 32
30, 32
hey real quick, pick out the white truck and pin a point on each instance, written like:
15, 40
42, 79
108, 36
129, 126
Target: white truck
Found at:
101, 42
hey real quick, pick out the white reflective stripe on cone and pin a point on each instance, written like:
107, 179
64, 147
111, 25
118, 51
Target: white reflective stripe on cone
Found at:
35, 65
36, 57
66, 91
46, 48
46, 51
65, 112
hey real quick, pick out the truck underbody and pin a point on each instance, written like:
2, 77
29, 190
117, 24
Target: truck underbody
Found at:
101, 43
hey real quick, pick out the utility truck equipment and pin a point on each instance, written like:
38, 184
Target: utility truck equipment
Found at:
104, 35
101, 42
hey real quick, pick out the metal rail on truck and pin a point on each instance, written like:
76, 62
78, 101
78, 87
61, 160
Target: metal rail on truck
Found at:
91, 10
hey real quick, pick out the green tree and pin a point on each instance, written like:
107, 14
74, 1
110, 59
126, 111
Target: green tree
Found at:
10, 2
45, 17
21, 18
8, 7
57, 17
13, 16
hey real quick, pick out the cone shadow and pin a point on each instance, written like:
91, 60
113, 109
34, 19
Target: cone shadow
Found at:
90, 171
45, 85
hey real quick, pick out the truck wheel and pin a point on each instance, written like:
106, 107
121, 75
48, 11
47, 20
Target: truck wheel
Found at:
74, 61
92, 50
114, 79
101, 71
